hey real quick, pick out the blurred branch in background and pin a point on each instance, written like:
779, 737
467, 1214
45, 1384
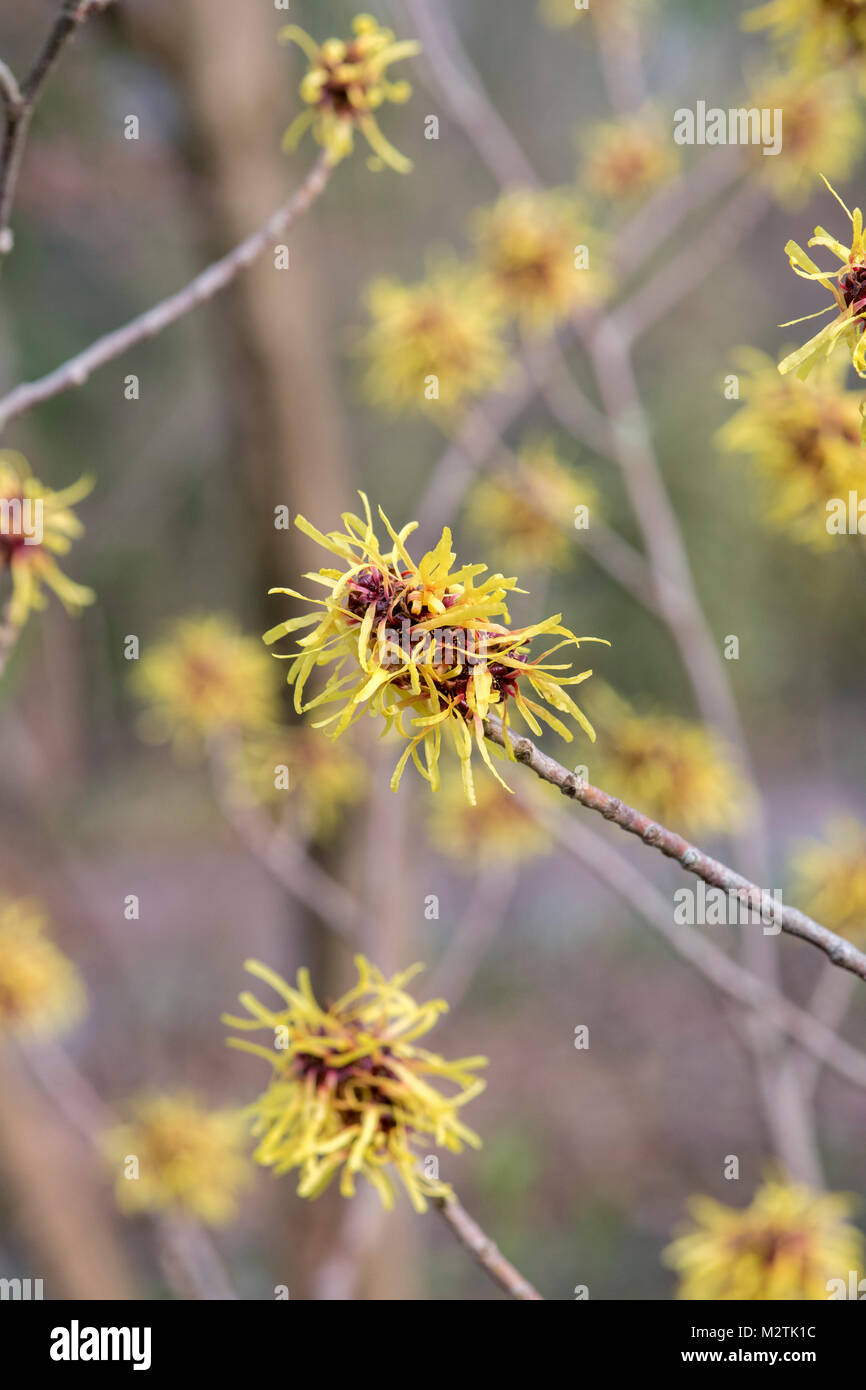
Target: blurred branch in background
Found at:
608, 339
216, 277
20, 100
842, 953
189, 1259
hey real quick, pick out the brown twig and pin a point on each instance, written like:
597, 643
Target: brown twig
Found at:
674, 846
485, 1251
817, 1036
460, 87
77, 370
20, 103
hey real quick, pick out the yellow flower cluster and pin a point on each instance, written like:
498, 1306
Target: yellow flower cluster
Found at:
205, 677
624, 160
438, 341
804, 441
831, 878
823, 132
350, 1090
177, 1155
536, 249
848, 292
787, 1245
816, 35
530, 513
421, 642
36, 524
671, 768
442, 342
41, 992
346, 83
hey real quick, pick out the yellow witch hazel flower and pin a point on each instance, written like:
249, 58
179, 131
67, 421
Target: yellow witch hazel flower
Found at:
791, 1243
849, 297
37, 523
625, 160
205, 677
673, 769
535, 248
531, 513
346, 83
803, 439
823, 130
177, 1155
419, 645
350, 1090
831, 878
435, 344
41, 992
819, 34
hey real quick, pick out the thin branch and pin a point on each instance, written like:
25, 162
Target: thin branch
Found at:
615, 871
216, 277
688, 269
9, 633
485, 1251
190, 1261
282, 855
478, 439
673, 846
462, 89
20, 103
829, 1004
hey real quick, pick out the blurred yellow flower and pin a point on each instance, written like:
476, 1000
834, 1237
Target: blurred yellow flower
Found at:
498, 828
672, 769
422, 640
823, 132
539, 254
346, 83
298, 763
530, 514
787, 1245
804, 440
831, 878
849, 297
434, 344
36, 524
625, 160
817, 34
350, 1090
41, 991
205, 677
177, 1155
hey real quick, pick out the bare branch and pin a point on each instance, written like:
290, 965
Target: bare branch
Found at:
814, 1034
20, 103
685, 271
282, 855
484, 1250
78, 369
462, 89
673, 846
